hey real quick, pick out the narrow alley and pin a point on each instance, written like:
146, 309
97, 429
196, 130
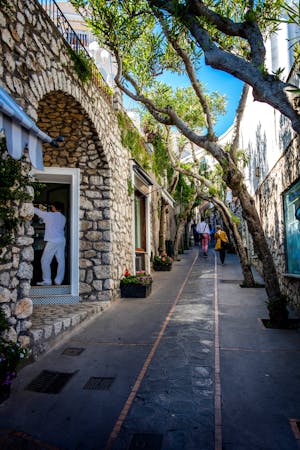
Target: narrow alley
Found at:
190, 367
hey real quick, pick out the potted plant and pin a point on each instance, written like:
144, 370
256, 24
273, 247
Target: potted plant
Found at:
162, 262
11, 355
136, 286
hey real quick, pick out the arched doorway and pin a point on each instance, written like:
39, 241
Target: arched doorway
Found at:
78, 174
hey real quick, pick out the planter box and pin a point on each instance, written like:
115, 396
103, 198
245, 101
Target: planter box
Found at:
135, 290
162, 267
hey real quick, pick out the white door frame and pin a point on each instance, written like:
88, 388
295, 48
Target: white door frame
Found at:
65, 175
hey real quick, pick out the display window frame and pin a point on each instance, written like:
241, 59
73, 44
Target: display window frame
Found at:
291, 206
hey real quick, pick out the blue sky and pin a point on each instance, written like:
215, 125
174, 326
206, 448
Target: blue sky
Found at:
224, 83
214, 80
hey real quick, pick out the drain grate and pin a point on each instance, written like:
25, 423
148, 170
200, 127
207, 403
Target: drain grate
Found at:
49, 382
99, 383
231, 281
146, 441
73, 351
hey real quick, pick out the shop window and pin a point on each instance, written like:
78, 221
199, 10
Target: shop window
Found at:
291, 200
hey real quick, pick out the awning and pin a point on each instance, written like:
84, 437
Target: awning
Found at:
149, 181
20, 131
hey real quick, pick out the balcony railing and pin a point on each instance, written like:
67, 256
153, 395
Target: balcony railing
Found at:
71, 37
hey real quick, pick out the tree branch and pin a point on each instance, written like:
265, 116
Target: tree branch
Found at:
191, 74
237, 124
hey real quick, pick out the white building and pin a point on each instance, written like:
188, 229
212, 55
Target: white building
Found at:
273, 172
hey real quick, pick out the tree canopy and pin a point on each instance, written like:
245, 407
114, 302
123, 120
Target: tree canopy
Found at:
149, 37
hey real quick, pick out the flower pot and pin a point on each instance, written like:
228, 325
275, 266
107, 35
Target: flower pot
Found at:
135, 290
162, 267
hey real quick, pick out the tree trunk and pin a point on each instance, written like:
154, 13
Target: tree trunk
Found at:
276, 301
178, 236
181, 224
238, 243
163, 227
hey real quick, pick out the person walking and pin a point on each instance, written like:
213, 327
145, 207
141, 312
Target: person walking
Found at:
203, 230
195, 234
55, 243
221, 239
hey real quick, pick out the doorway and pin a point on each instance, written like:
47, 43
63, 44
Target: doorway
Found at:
50, 193
61, 184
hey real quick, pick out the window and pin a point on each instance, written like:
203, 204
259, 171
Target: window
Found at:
291, 199
140, 222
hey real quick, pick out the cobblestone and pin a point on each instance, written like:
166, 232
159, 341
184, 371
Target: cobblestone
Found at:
50, 322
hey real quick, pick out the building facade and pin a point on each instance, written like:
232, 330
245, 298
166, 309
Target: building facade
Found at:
273, 172
88, 170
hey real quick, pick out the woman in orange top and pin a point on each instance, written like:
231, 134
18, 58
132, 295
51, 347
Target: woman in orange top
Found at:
221, 238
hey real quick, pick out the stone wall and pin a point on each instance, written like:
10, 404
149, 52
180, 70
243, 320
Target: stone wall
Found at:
270, 205
37, 71
16, 273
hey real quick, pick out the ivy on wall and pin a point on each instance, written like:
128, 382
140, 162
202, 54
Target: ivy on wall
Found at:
133, 141
161, 159
82, 65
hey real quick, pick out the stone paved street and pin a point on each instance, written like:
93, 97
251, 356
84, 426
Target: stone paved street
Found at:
176, 398
190, 367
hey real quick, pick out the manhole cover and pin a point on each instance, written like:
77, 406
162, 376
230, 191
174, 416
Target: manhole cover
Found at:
146, 441
99, 383
49, 382
73, 351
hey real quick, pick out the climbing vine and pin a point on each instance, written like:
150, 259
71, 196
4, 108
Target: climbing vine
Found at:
184, 191
82, 65
13, 189
161, 159
133, 141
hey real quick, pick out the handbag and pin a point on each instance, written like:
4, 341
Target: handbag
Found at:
225, 245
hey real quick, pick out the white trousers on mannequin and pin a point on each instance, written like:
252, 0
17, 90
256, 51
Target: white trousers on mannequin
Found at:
52, 249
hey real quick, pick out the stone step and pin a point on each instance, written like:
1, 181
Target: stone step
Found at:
43, 291
53, 323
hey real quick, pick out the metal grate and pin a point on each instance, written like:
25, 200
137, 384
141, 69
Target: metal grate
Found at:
73, 351
231, 281
49, 382
99, 383
146, 441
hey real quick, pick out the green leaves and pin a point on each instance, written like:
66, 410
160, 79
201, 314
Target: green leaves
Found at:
132, 140
82, 64
13, 189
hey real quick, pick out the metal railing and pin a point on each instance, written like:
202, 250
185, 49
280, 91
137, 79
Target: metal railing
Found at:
71, 37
